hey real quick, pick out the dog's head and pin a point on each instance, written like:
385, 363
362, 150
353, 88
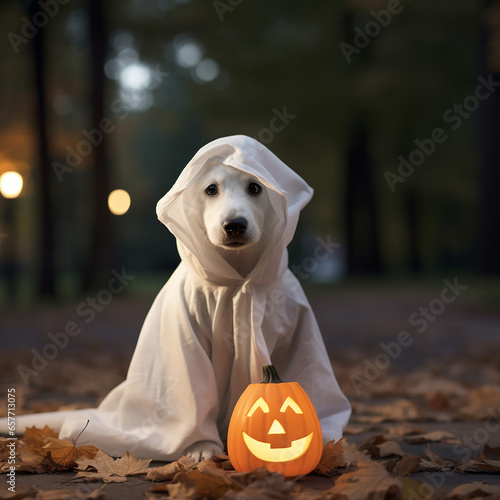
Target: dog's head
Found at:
234, 205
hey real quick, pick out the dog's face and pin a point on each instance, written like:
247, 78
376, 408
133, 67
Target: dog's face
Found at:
234, 205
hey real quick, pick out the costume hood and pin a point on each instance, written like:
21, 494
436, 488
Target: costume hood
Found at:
288, 197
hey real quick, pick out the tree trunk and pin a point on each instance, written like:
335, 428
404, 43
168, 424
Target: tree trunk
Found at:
363, 252
100, 259
47, 233
488, 249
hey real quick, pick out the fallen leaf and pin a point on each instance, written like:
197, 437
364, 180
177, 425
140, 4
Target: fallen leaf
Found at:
481, 401
269, 486
211, 484
476, 489
370, 480
433, 437
331, 458
105, 468
62, 452
65, 453
479, 465
379, 447
38, 434
169, 471
431, 461
30, 461
222, 461
351, 453
408, 464
246, 478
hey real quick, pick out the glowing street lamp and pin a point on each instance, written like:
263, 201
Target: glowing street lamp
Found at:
11, 184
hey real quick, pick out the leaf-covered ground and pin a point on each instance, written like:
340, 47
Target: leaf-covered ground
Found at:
422, 373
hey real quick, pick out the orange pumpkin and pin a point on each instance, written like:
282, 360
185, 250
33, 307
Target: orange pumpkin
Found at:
274, 425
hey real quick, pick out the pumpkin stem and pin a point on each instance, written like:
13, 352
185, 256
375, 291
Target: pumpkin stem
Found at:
270, 375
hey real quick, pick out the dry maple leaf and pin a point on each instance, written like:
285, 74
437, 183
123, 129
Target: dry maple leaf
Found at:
331, 458
36, 433
65, 453
351, 453
62, 452
29, 461
371, 480
211, 482
169, 471
104, 468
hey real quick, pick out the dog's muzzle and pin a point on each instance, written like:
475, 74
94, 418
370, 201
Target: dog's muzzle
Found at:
235, 227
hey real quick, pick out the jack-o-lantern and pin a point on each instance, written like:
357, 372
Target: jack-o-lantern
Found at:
274, 425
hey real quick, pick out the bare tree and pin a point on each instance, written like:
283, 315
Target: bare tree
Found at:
46, 212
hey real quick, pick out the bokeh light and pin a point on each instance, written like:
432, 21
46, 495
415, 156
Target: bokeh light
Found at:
119, 202
11, 184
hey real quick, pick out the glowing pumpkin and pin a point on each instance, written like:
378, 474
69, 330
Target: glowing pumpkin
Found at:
274, 425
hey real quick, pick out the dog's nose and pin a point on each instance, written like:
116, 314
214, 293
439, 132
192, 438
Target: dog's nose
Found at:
235, 227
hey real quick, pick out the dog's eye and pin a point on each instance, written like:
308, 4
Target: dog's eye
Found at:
211, 190
254, 188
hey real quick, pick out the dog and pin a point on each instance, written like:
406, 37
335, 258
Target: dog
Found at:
236, 209
231, 307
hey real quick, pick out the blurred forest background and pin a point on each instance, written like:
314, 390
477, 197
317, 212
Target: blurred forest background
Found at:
120, 94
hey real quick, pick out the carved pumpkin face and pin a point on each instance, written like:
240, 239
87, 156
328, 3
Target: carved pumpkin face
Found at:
274, 425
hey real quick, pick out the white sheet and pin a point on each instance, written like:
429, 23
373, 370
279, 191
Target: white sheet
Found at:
210, 331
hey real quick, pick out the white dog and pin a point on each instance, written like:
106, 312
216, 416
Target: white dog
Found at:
236, 211
231, 307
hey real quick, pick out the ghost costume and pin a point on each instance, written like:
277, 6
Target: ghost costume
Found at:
210, 330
